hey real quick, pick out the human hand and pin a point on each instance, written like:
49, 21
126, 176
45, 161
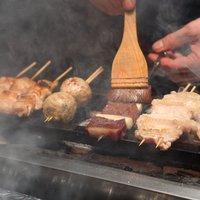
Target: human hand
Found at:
181, 69
114, 7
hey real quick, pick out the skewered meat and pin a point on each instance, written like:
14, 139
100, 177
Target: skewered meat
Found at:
100, 126
121, 109
114, 120
60, 106
33, 98
24, 106
7, 99
170, 118
79, 89
5, 83
152, 127
21, 85
177, 109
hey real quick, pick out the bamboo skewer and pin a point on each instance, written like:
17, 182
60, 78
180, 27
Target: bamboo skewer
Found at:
159, 142
63, 74
192, 90
95, 74
143, 140
46, 65
188, 85
48, 119
26, 69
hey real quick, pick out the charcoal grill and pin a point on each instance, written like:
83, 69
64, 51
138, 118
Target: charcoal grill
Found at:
59, 161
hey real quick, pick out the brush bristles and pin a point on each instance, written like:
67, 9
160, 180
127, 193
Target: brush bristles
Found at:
142, 95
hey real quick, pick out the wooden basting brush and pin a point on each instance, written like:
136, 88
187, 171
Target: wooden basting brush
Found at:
129, 77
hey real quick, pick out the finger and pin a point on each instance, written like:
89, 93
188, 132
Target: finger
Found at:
128, 4
106, 7
175, 40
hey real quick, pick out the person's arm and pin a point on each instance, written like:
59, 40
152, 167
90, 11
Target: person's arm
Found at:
178, 68
114, 7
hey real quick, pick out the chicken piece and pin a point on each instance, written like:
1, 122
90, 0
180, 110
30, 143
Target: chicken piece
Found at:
21, 85
47, 84
155, 126
7, 99
189, 99
103, 127
178, 109
6, 83
61, 106
79, 89
24, 106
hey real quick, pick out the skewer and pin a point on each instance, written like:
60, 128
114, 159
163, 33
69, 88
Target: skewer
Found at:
100, 137
63, 74
95, 74
26, 69
188, 85
48, 119
160, 140
47, 64
192, 90
143, 140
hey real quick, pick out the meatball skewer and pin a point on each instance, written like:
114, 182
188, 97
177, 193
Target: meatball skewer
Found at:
78, 89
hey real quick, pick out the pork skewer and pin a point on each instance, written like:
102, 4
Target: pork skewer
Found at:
171, 115
75, 87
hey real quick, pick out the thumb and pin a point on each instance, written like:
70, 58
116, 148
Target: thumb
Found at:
128, 4
173, 40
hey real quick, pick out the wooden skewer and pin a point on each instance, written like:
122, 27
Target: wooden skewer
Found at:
95, 74
160, 140
142, 142
188, 85
46, 119
26, 69
100, 137
47, 64
50, 118
63, 74
192, 90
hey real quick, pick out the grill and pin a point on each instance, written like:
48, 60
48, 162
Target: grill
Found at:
59, 161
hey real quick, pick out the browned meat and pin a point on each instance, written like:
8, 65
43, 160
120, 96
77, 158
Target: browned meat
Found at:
79, 89
60, 106
5, 83
47, 84
24, 106
7, 99
121, 109
100, 126
108, 124
21, 85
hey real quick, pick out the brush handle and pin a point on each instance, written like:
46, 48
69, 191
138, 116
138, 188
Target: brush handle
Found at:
129, 69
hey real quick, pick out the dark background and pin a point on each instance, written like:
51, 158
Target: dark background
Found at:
75, 33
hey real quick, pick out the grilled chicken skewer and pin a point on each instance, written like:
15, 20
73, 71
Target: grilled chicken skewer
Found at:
7, 82
34, 97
